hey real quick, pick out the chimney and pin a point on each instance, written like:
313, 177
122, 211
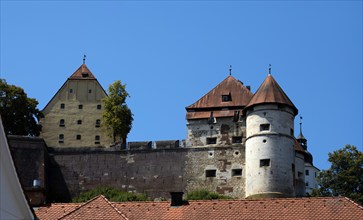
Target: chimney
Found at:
176, 198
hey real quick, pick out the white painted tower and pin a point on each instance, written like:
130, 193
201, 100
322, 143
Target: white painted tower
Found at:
270, 151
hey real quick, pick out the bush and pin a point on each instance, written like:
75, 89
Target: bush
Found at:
203, 194
112, 194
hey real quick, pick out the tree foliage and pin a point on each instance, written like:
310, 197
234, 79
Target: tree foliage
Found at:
344, 177
203, 194
19, 113
112, 194
117, 117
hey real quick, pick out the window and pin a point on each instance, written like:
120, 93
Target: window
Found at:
98, 106
264, 162
97, 139
211, 140
315, 174
299, 174
79, 122
62, 105
61, 138
227, 98
264, 127
61, 123
78, 137
210, 173
85, 75
80, 106
98, 123
90, 91
307, 184
307, 172
236, 172
70, 90
237, 140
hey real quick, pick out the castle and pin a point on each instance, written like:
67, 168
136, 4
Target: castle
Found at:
238, 144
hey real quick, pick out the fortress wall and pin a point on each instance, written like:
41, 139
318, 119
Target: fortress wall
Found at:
153, 171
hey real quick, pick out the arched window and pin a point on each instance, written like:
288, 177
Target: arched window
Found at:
61, 123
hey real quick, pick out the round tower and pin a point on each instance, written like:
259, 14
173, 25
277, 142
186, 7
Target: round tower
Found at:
270, 152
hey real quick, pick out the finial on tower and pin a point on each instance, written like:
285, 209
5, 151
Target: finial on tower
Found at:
84, 58
269, 69
230, 70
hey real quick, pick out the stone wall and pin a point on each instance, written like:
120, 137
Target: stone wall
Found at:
153, 171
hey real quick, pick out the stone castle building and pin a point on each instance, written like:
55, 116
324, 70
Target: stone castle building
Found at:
238, 144
73, 116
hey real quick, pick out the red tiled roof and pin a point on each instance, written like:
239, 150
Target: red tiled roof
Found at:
281, 208
271, 92
82, 73
97, 208
239, 94
55, 210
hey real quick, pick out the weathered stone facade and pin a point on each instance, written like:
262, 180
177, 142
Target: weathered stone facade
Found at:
73, 117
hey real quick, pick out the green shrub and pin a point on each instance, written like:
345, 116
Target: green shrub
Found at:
112, 194
203, 194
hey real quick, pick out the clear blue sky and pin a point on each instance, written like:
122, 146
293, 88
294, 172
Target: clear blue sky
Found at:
171, 53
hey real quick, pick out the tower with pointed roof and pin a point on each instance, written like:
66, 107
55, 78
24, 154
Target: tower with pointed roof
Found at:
73, 117
270, 142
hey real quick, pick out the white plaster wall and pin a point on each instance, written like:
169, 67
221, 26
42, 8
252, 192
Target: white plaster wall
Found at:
311, 178
276, 144
299, 175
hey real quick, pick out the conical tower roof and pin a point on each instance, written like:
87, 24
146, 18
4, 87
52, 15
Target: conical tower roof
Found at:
271, 92
230, 86
82, 73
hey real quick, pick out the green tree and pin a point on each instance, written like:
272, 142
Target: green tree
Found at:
112, 194
19, 113
117, 116
344, 177
203, 194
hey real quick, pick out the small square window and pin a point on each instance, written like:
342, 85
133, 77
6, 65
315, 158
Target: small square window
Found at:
98, 123
236, 172
211, 140
78, 137
80, 106
210, 173
79, 122
90, 91
237, 140
99, 107
307, 173
62, 105
61, 138
70, 90
264, 127
61, 123
264, 162
299, 174
226, 98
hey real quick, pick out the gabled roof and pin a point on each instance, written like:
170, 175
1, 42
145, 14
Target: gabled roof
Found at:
279, 208
82, 73
229, 86
97, 208
271, 92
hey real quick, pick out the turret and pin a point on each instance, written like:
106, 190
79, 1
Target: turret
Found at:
270, 143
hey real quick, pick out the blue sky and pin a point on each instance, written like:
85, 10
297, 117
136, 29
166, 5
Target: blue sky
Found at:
171, 53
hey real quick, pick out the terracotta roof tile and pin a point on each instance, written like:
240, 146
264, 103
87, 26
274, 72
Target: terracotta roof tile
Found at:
55, 210
82, 73
239, 94
271, 92
97, 208
281, 208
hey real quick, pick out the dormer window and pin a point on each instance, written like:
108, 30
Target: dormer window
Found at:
264, 127
227, 98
